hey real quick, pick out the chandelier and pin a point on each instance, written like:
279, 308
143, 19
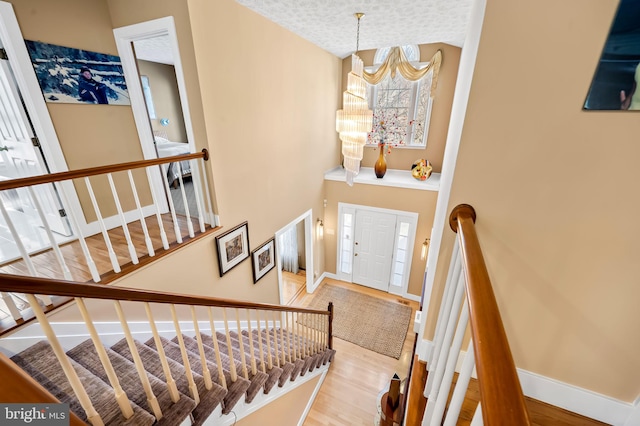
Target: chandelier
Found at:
355, 119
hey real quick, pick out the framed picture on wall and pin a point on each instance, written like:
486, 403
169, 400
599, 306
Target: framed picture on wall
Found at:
263, 259
233, 247
69, 75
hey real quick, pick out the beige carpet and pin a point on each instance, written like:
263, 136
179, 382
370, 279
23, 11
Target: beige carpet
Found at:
375, 324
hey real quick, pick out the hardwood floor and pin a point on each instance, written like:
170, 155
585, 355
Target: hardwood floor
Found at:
353, 385
47, 265
357, 377
292, 285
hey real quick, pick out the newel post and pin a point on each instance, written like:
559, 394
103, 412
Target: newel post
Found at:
330, 309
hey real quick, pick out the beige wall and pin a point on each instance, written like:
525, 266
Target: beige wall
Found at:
421, 202
166, 99
269, 101
286, 410
88, 134
555, 190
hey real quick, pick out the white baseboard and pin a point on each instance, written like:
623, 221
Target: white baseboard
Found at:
111, 222
634, 417
331, 275
318, 281
412, 297
569, 397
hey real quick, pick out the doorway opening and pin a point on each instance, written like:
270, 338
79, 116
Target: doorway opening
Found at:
294, 252
375, 247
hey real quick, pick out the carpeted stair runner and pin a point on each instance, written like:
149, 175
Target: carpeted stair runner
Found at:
209, 398
173, 413
273, 373
287, 367
235, 390
257, 380
40, 362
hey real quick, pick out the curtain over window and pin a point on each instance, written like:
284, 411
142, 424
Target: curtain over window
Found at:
289, 250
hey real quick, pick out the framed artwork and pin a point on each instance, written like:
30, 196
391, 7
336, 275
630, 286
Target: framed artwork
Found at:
263, 259
614, 84
68, 75
233, 247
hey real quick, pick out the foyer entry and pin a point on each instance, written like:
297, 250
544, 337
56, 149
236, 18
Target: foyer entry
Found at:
375, 247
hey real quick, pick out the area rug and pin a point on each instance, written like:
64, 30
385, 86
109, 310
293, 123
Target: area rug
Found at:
375, 324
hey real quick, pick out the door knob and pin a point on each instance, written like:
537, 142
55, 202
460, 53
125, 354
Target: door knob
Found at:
356, 243
356, 254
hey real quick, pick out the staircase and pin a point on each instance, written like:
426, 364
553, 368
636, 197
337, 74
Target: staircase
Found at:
200, 373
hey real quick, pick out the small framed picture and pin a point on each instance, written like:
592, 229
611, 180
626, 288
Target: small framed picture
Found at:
233, 247
263, 259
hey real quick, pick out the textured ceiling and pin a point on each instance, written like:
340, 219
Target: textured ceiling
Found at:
332, 26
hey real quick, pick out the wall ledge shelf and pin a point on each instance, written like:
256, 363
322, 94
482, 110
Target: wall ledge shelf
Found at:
393, 178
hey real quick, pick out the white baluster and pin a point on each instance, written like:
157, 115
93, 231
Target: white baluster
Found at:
172, 209
453, 274
288, 334
260, 348
75, 228
163, 234
203, 359
197, 193
454, 352
267, 334
11, 305
143, 223
240, 342
275, 339
123, 221
52, 240
212, 219
232, 369
221, 377
254, 369
103, 228
142, 373
453, 412
454, 278
171, 383
17, 240
446, 346
79, 390
185, 358
284, 353
119, 393
187, 213
477, 417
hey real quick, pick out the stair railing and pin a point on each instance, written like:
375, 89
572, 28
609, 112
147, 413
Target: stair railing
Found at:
287, 333
36, 191
501, 399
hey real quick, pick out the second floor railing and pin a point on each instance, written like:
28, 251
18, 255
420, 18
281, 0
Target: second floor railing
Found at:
147, 222
501, 399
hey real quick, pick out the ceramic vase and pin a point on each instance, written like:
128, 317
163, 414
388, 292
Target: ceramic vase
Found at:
381, 164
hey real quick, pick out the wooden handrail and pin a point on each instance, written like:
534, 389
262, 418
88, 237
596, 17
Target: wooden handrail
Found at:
92, 171
500, 391
19, 387
35, 285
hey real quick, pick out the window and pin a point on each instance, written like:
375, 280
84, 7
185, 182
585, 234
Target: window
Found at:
408, 102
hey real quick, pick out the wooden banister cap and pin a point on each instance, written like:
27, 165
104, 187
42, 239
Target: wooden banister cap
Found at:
459, 210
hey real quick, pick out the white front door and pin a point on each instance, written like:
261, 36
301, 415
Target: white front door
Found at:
20, 158
373, 248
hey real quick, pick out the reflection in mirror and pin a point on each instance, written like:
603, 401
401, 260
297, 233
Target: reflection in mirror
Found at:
614, 83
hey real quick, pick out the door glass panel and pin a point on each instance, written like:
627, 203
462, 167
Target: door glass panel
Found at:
346, 243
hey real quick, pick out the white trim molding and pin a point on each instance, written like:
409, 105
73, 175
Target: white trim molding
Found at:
564, 395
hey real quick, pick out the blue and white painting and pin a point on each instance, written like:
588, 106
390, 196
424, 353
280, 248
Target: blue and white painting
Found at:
68, 75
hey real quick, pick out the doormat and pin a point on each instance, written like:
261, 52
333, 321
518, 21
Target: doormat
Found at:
375, 324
